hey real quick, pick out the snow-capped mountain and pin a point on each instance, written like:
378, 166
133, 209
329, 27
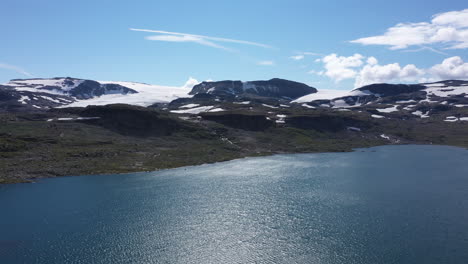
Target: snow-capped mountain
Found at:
76, 88
146, 94
380, 100
400, 101
72, 92
278, 88
401, 96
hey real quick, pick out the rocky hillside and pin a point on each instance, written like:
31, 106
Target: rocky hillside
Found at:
277, 88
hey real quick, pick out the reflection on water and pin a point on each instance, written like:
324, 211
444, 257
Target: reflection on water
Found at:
394, 204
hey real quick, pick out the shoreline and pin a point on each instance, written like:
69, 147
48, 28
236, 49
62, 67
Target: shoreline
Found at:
34, 180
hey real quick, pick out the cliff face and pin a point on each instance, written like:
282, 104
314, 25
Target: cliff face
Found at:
131, 120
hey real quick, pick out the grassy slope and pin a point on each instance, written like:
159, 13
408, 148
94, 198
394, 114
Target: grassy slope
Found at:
32, 148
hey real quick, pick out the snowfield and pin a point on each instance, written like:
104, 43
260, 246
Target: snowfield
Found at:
147, 95
446, 91
25, 85
322, 95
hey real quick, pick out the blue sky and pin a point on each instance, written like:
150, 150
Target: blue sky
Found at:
92, 39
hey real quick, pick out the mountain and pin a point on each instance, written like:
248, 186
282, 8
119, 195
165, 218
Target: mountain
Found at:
277, 88
76, 88
66, 126
379, 100
36, 94
419, 99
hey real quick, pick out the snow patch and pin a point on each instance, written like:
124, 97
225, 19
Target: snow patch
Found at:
340, 104
322, 95
409, 107
23, 99
451, 119
421, 114
354, 129
269, 106
189, 106
50, 99
193, 111
385, 136
388, 110
308, 106
281, 119
216, 110
405, 102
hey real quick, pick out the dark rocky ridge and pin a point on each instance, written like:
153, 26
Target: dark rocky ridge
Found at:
278, 88
386, 89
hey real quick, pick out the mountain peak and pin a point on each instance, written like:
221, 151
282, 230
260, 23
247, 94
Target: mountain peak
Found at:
276, 87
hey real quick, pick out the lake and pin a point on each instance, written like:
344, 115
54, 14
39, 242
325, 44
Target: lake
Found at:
391, 204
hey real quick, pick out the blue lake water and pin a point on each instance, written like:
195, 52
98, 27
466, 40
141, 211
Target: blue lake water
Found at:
393, 204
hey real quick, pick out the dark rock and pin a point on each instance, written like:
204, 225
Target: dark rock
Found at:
89, 89
278, 88
131, 120
385, 89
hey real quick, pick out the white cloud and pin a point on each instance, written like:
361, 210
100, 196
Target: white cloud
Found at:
302, 55
451, 68
450, 30
191, 82
297, 57
372, 61
199, 39
454, 18
366, 70
375, 73
266, 63
317, 72
15, 68
340, 68
426, 48
172, 38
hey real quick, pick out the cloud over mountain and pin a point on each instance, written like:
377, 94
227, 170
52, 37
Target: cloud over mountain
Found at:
367, 70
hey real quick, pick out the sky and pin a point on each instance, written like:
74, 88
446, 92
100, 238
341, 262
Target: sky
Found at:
326, 44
